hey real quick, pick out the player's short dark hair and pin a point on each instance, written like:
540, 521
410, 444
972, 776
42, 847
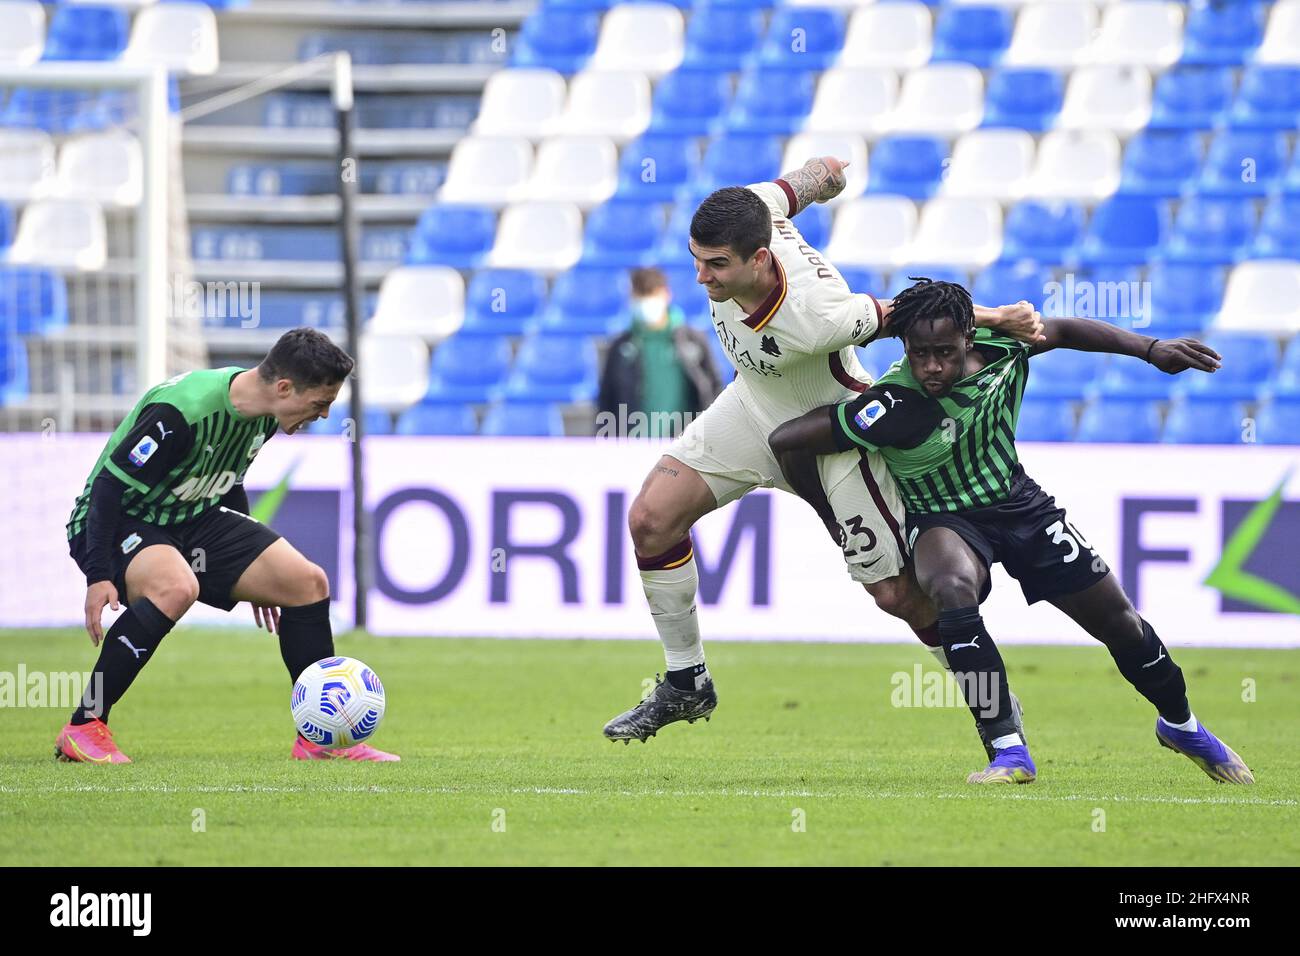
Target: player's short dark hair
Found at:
307, 358
929, 300
734, 217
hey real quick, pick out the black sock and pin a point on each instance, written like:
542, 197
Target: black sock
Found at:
978, 669
1150, 669
684, 679
129, 644
305, 636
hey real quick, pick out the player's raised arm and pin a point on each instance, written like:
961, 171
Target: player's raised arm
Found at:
1090, 335
1019, 321
817, 180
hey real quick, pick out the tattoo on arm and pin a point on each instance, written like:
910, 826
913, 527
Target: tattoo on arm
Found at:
665, 470
814, 182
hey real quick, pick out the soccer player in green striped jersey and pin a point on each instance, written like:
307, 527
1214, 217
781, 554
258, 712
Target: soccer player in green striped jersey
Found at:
944, 420
163, 522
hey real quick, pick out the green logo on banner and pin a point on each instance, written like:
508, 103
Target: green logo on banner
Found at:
1229, 576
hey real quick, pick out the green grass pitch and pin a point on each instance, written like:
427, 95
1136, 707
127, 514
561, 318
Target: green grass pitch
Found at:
807, 761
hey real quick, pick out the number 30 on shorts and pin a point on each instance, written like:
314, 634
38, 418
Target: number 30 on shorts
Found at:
1064, 533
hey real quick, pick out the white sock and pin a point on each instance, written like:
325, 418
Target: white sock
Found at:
1007, 740
671, 596
1190, 725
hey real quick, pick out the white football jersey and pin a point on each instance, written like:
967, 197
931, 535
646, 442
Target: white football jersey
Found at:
795, 352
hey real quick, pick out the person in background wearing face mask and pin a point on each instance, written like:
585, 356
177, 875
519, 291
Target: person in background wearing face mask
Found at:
660, 366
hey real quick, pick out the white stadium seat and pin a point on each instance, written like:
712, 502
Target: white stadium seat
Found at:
26, 164
576, 169
945, 98
1076, 164
64, 233
1051, 34
990, 164
615, 104
541, 236
1281, 42
428, 301
1262, 296
647, 37
488, 170
874, 231
182, 37
1142, 32
958, 232
854, 101
394, 370
805, 146
1107, 97
107, 168
22, 32
888, 34
520, 103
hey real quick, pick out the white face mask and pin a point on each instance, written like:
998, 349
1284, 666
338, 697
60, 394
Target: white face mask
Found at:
651, 309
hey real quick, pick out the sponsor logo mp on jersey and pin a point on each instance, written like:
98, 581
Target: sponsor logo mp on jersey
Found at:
103, 909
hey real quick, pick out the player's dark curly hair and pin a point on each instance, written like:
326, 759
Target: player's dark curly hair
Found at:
930, 300
734, 217
307, 358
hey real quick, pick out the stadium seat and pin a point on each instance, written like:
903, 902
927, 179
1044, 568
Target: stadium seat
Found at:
26, 164
943, 99
1278, 422
502, 302
428, 301
552, 368
1115, 98
107, 168
579, 169
673, 248
722, 37
468, 370
1263, 295
86, 32
22, 32
541, 236
32, 301
55, 111
688, 101
814, 224
1121, 420
655, 166
449, 419
377, 421
846, 146
1243, 163
1076, 164
972, 34
456, 236
488, 171
520, 102
13, 369
1279, 230
854, 100
905, 276
258, 243
181, 37
1051, 34
1141, 33
610, 104
1210, 230
1064, 374
1222, 34
1184, 297
874, 232
1281, 43
689, 296
990, 164
1006, 282
735, 159
557, 39
910, 166
958, 232
1191, 97
1160, 163
771, 100
1044, 419
645, 37
895, 35
534, 420
622, 234
803, 38
1026, 99
394, 370
588, 300
1269, 98
1042, 230
1125, 229
1248, 363
1130, 378
63, 233
1205, 420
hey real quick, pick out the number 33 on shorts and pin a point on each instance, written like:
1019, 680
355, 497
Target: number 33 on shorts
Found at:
1067, 535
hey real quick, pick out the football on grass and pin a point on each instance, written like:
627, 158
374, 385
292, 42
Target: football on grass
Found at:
337, 702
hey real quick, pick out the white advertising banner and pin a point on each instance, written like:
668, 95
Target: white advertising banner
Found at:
528, 538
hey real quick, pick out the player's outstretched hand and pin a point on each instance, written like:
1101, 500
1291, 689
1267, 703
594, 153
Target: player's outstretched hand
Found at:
98, 595
1178, 355
269, 615
1021, 321
830, 173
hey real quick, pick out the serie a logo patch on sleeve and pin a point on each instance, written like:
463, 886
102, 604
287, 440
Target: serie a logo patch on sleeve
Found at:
871, 413
143, 451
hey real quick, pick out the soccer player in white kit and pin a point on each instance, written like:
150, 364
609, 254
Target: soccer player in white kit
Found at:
789, 323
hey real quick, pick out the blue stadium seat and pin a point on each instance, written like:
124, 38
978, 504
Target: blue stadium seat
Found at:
803, 38
1191, 97
688, 295
907, 165
688, 101
1248, 363
87, 33
1160, 163
1211, 230
623, 233
255, 243
1269, 98
561, 40
437, 420
674, 247
737, 160
656, 166
32, 300
1286, 382
1024, 98
468, 369
972, 34
1006, 282
1045, 420
588, 300
55, 111
1045, 230
771, 100
531, 419
502, 302
1110, 292
902, 277
859, 279
722, 37
377, 422
1119, 420
1279, 229
13, 369
814, 224
1184, 297
1125, 230
1205, 420
554, 368
6, 225
880, 354
1243, 163
1278, 422
456, 236
1131, 378
1223, 33
1064, 374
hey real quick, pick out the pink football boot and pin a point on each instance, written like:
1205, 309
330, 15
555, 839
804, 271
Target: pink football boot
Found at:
304, 749
90, 742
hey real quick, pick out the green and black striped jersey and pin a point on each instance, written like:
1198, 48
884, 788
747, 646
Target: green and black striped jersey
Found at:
180, 449
950, 453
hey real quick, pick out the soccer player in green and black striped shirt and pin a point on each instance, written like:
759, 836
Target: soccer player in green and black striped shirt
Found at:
163, 522
944, 420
